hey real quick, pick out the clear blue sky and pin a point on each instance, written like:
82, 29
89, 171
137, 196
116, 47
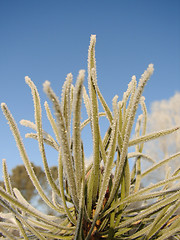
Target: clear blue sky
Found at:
48, 39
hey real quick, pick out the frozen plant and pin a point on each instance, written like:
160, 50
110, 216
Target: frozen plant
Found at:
104, 200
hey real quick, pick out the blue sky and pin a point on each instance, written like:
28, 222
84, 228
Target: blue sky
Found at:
48, 39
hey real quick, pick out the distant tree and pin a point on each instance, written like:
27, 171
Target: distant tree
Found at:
20, 179
164, 114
